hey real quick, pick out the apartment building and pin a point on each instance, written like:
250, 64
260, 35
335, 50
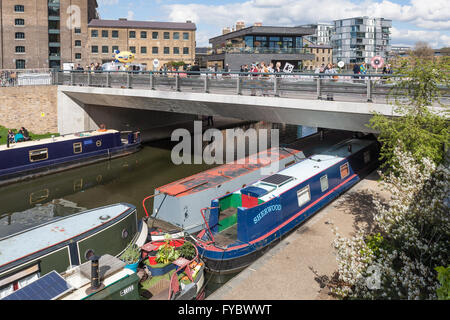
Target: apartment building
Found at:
41, 33
360, 39
148, 40
323, 55
322, 35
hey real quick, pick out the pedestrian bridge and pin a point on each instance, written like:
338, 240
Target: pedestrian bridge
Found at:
344, 102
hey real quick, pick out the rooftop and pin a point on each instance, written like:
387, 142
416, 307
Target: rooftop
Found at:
123, 23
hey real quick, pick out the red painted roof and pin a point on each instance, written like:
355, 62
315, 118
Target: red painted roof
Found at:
218, 175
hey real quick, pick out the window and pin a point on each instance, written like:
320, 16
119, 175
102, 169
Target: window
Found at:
324, 183
166, 50
143, 50
303, 196
132, 34
77, 43
78, 56
105, 49
20, 35
105, 33
133, 49
77, 147
94, 49
20, 64
367, 156
155, 50
19, 22
166, 35
344, 170
38, 155
20, 49
94, 33
77, 30
115, 33
185, 50
176, 36
143, 34
185, 36
154, 35
176, 50
19, 8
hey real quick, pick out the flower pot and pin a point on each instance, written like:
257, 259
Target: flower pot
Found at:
132, 266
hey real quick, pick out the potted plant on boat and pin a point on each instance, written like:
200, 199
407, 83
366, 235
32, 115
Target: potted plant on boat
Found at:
161, 263
131, 256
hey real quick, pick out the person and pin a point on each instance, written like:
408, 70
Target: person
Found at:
79, 68
264, 69
226, 70
11, 136
254, 69
24, 133
18, 137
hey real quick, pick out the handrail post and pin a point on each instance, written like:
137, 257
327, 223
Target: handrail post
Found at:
177, 82
369, 90
206, 84
275, 87
89, 78
128, 79
71, 78
319, 89
152, 81
239, 85
108, 79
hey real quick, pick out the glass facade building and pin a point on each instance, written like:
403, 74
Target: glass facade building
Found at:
359, 39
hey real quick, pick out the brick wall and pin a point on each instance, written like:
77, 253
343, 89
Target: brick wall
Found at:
33, 107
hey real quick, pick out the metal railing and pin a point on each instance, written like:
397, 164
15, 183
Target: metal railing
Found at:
25, 77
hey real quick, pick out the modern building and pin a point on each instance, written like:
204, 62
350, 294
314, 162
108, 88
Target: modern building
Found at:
40, 33
148, 40
360, 39
322, 35
323, 55
259, 43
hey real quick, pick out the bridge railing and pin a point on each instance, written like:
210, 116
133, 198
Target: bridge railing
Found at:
25, 77
345, 87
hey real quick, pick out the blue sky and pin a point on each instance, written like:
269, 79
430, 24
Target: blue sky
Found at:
413, 20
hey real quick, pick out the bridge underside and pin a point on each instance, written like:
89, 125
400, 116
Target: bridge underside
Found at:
352, 116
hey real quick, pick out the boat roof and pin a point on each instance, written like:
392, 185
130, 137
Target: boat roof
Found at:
66, 137
218, 175
29, 241
307, 168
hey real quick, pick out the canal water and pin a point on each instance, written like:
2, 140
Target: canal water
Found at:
128, 179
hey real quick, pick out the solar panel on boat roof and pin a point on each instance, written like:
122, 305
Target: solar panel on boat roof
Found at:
48, 287
277, 179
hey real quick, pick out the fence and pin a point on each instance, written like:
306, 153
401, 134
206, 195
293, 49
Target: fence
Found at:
25, 77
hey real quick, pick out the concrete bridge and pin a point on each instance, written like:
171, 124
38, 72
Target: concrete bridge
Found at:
145, 100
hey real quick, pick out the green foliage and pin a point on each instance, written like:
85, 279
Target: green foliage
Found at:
187, 251
4, 135
443, 292
375, 242
166, 252
131, 255
420, 131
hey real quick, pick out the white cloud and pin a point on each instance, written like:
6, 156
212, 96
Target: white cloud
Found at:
428, 15
130, 15
107, 2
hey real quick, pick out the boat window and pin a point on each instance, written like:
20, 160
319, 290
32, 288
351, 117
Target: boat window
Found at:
344, 170
303, 196
324, 183
77, 147
98, 143
38, 155
18, 280
367, 156
289, 163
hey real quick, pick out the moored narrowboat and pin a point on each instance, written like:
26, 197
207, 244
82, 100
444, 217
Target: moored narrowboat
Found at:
242, 226
29, 159
66, 242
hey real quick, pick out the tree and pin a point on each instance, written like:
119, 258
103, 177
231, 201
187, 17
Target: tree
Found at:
419, 130
422, 50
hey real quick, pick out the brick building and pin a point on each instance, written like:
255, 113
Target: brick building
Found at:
323, 55
148, 40
40, 33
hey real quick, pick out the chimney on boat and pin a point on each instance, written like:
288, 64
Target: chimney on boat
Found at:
95, 274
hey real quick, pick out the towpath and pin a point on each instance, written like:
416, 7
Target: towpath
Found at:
299, 266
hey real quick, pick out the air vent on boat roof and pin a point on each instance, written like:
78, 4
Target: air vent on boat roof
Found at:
277, 179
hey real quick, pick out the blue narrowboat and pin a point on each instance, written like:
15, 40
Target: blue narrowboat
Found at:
243, 225
31, 159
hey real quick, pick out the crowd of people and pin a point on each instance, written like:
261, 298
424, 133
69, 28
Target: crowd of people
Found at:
20, 136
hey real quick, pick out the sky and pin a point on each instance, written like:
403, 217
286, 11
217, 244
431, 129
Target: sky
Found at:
412, 20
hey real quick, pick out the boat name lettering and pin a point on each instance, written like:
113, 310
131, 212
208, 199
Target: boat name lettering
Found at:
269, 209
126, 290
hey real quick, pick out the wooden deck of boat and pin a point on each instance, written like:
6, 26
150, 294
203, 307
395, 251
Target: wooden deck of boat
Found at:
226, 237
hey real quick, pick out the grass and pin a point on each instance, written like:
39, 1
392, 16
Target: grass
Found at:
4, 135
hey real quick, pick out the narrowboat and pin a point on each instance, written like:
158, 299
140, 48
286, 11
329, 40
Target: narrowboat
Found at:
102, 278
241, 226
177, 205
30, 159
175, 271
69, 241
